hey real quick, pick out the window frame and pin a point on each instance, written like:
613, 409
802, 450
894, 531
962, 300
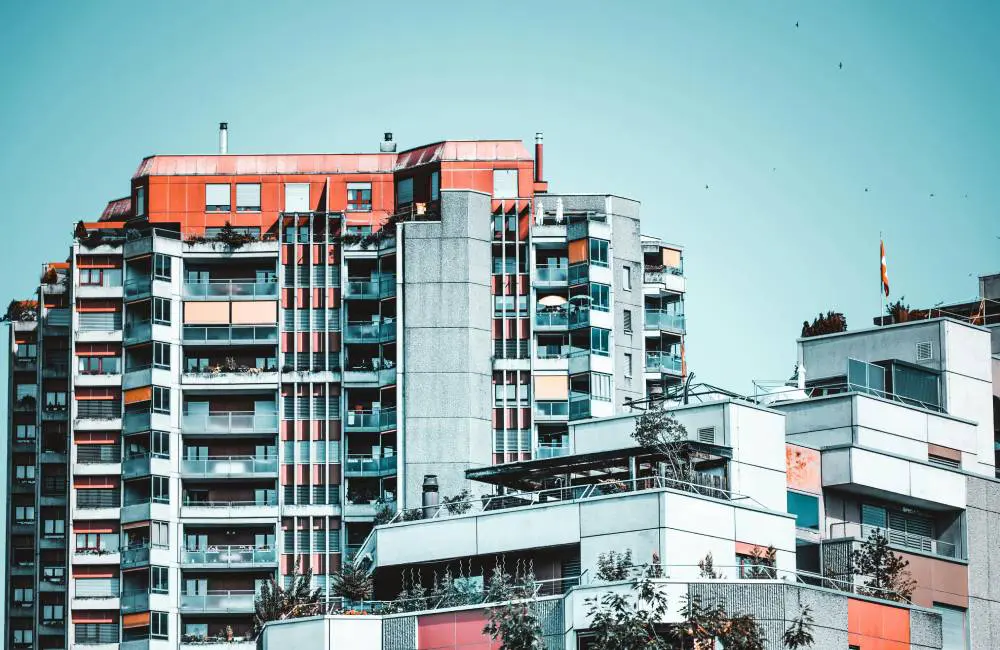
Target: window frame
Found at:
158, 307
600, 335
161, 399
599, 289
599, 252
626, 277
359, 202
247, 208
158, 262
219, 207
158, 349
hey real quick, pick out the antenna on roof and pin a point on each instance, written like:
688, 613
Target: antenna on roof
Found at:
223, 137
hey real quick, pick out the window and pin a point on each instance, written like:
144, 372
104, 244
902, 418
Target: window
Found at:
160, 489
628, 321
248, 197
27, 351
140, 201
805, 507
159, 444
53, 613
24, 595
25, 473
865, 377
55, 401
25, 432
217, 197
159, 579
99, 365
627, 277
599, 252
600, 386
161, 399
435, 186
91, 277
359, 197
296, 197
600, 297
600, 341
160, 533
953, 627
54, 527
909, 529
628, 365
24, 514
505, 184
510, 306
755, 568
161, 311
161, 355
161, 266
25, 636
159, 625
404, 191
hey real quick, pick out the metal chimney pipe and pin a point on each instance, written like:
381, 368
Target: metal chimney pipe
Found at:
223, 137
538, 157
431, 497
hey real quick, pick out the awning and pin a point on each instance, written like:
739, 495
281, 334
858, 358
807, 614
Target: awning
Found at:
140, 619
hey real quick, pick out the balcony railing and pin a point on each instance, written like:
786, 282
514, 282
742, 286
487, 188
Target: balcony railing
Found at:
552, 410
579, 405
375, 420
136, 421
229, 465
554, 318
226, 334
663, 362
379, 286
231, 289
656, 274
135, 555
370, 465
551, 451
138, 288
229, 422
99, 409
369, 332
661, 319
230, 555
579, 317
236, 505
138, 330
897, 538
218, 601
552, 274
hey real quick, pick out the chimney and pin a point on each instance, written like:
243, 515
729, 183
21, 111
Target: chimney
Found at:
430, 496
387, 145
538, 157
223, 137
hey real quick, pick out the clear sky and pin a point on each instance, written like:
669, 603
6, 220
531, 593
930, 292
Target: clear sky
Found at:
649, 100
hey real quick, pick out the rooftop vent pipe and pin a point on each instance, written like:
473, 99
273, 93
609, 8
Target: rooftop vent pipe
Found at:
223, 137
431, 496
387, 145
538, 157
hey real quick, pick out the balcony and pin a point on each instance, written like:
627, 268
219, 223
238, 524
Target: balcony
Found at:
137, 332
551, 320
550, 411
265, 507
230, 422
230, 557
55, 369
242, 375
551, 276
664, 363
230, 335
664, 278
550, 451
370, 420
231, 290
370, 332
381, 372
661, 320
230, 466
219, 602
136, 421
377, 287
362, 465
138, 289
901, 540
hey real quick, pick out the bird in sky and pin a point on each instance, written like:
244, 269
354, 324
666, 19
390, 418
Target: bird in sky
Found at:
866, 189
841, 65
706, 187
932, 195
796, 23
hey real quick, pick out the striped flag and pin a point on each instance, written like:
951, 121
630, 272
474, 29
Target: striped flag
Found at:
885, 273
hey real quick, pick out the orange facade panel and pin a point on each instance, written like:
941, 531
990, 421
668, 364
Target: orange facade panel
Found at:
255, 312
140, 619
141, 394
577, 251
876, 626
206, 313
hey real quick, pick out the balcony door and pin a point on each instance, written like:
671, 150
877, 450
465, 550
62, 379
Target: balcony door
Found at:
195, 587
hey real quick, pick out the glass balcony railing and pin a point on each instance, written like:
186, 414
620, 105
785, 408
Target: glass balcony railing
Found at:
552, 410
231, 289
229, 422
229, 465
660, 319
136, 421
555, 318
663, 362
373, 420
551, 451
138, 288
370, 465
138, 330
579, 405
370, 332
378, 286
579, 317
236, 506
226, 334
230, 555
218, 601
552, 274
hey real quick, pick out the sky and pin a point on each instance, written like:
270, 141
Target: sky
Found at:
774, 141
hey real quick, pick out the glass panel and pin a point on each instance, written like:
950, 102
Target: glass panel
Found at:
806, 508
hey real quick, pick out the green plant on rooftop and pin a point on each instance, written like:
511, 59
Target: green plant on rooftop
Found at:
513, 620
885, 573
459, 504
352, 584
658, 430
830, 323
21, 310
614, 566
274, 602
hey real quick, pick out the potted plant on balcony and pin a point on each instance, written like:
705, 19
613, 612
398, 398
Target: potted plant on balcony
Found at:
21, 310
352, 585
830, 323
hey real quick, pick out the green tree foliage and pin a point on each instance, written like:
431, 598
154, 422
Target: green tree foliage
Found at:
274, 602
614, 566
829, 323
885, 573
352, 584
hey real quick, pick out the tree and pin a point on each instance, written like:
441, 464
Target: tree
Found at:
232, 237
830, 323
274, 602
885, 573
515, 625
799, 632
352, 584
459, 504
762, 564
707, 570
658, 430
614, 566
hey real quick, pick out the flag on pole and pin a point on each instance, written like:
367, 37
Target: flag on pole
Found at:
885, 273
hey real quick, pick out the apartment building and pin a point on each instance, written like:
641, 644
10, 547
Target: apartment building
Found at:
246, 360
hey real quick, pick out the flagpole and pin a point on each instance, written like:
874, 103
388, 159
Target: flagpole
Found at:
881, 286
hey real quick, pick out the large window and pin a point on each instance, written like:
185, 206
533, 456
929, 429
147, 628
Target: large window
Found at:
435, 186
954, 632
217, 197
404, 192
161, 355
805, 507
161, 266
296, 197
599, 252
600, 386
600, 341
161, 311
600, 297
161, 489
504, 183
159, 579
359, 197
159, 626
161, 399
248, 197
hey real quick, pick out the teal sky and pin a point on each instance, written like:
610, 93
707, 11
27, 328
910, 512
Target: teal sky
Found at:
654, 102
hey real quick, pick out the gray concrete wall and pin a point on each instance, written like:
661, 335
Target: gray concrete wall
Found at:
446, 376
626, 249
983, 524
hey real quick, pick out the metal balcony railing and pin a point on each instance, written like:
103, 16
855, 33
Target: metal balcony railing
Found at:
229, 465
218, 601
898, 538
378, 286
579, 317
99, 409
271, 500
663, 362
661, 319
226, 334
374, 420
362, 465
231, 289
230, 555
229, 422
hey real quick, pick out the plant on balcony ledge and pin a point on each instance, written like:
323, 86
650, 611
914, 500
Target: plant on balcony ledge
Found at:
352, 584
459, 504
832, 323
21, 310
884, 572
614, 566
275, 603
